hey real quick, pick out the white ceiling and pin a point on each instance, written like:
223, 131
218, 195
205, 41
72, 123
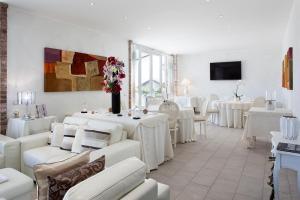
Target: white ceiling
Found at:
176, 26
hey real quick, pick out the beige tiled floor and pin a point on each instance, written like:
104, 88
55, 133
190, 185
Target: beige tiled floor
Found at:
220, 168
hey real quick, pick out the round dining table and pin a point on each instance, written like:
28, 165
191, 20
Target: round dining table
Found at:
231, 112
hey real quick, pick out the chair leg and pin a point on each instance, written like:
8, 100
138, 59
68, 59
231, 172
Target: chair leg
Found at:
175, 138
200, 130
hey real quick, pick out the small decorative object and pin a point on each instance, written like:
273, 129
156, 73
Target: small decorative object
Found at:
109, 109
93, 112
145, 111
238, 96
26, 98
41, 111
84, 108
270, 100
119, 115
129, 113
16, 114
113, 75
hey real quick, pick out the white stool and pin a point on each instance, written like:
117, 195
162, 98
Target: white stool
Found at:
18, 186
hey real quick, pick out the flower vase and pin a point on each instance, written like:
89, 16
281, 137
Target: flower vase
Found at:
115, 103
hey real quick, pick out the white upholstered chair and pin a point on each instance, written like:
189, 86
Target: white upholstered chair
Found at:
258, 102
202, 117
172, 110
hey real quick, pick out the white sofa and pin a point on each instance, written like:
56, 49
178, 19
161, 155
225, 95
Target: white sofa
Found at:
35, 150
125, 180
9, 153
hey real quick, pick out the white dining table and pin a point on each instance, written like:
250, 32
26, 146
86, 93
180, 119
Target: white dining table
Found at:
231, 112
152, 130
260, 122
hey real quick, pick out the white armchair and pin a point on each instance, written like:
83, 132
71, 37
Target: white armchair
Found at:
9, 153
125, 180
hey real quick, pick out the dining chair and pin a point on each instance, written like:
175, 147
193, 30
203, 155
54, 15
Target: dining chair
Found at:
153, 102
172, 110
202, 117
213, 112
196, 103
258, 102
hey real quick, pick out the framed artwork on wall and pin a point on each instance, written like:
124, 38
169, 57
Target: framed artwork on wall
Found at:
72, 71
287, 70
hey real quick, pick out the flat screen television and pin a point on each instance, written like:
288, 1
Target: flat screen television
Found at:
226, 70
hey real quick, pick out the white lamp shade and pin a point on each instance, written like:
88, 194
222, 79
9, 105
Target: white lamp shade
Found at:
26, 97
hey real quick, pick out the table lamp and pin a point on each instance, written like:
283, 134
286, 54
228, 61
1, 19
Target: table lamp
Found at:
26, 98
185, 83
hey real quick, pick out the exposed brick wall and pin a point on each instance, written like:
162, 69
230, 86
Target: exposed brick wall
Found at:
3, 67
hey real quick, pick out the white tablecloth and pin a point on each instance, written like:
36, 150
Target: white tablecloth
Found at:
231, 112
152, 130
186, 132
261, 122
18, 127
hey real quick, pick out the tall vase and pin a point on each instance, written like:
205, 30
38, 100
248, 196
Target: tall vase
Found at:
115, 103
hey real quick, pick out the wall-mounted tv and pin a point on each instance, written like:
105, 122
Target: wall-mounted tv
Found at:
226, 70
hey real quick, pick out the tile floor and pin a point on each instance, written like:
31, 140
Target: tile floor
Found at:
220, 168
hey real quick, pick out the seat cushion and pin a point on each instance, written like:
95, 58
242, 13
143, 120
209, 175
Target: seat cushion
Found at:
17, 185
43, 155
199, 118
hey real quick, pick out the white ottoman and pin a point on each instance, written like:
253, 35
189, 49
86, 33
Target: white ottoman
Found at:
18, 186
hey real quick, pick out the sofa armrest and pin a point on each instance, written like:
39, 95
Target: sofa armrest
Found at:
31, 142
10, 152
117, 152
145, 191
116, 181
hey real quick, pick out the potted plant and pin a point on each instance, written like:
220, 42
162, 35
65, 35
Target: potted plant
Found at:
113, 75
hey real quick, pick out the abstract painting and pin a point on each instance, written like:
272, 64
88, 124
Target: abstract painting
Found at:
72, 71
287, 70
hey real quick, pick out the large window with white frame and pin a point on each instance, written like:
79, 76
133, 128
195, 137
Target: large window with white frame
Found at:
152, 74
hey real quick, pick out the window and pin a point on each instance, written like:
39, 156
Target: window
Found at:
151, 74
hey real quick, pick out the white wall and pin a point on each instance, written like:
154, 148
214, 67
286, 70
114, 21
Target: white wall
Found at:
28, 34
260, 71
292, 39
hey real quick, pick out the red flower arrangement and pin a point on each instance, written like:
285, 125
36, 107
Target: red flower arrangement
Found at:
113, 75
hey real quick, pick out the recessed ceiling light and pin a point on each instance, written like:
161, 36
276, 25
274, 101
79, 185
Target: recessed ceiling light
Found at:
149, 28
221, 16
207, 1
92, 3
125, 18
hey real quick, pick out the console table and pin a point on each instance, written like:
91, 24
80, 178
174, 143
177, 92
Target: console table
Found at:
18, 127
284, 160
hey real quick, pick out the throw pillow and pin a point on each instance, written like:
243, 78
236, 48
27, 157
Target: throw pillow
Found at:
41, 171
60, 184
69, 136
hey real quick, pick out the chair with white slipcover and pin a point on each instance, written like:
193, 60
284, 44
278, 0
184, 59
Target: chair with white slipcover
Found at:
258, 102
172, 110
213, 112
202, 117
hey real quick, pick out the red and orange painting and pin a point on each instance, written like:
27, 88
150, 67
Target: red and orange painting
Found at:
287, 70
72, 71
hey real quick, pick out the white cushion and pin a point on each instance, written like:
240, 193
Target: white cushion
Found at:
42, 155
57, 135
69, 136
112, 183
114, 129
17, 185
